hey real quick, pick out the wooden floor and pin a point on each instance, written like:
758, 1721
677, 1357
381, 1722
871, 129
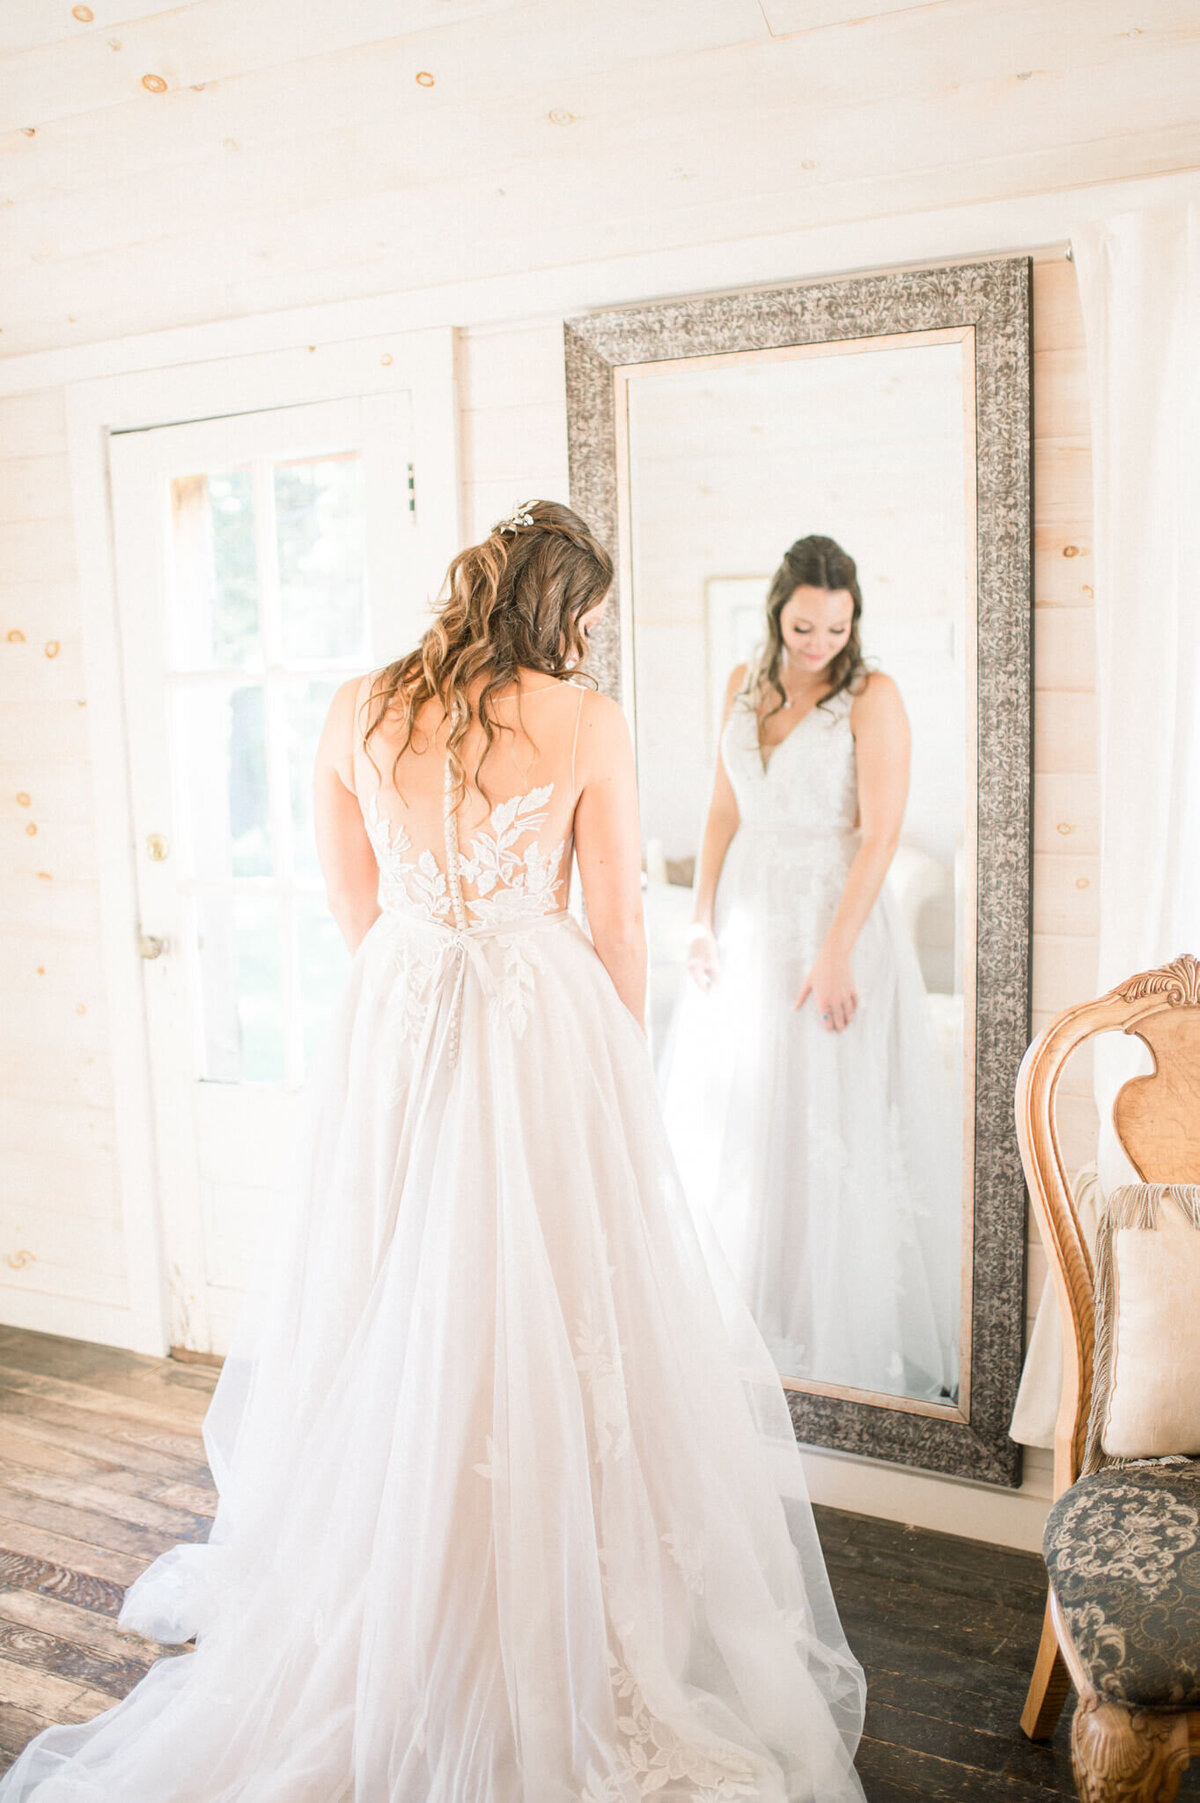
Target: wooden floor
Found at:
101, 1468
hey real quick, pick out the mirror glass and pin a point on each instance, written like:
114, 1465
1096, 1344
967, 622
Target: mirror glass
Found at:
833, 1162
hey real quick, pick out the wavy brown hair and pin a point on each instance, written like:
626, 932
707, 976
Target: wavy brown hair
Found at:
812, 562
509, 604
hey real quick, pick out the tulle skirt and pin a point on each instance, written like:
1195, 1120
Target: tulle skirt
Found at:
511, 1509
827, 1163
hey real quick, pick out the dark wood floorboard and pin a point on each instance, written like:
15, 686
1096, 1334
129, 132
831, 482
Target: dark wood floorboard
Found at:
102, 1467
946, 1629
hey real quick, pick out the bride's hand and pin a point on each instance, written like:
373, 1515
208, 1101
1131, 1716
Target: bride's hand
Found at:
830, 983
703, 964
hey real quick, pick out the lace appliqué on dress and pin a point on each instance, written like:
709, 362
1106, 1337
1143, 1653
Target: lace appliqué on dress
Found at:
657, 1756
512, 884
602, 1369
686, 1553
411, 885
810, 779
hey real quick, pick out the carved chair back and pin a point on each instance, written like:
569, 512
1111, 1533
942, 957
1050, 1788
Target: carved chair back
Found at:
1157, 1121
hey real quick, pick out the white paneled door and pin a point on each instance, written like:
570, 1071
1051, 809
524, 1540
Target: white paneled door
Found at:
261, 559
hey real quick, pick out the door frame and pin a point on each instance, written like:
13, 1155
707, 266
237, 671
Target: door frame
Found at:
424, 364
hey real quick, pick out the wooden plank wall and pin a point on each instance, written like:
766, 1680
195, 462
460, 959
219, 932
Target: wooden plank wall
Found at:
61, 1253
171, 165
1066, 785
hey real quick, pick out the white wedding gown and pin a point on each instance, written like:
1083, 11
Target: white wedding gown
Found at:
827, 1162
511, 1509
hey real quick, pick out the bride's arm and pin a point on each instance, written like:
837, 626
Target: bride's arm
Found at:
721, 824
882, 747
347, 861
608, 848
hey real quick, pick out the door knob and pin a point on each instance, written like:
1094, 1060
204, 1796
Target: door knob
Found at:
150, 947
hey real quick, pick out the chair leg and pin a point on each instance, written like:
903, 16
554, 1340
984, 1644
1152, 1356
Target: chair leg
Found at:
1127, 1755
1048, 1686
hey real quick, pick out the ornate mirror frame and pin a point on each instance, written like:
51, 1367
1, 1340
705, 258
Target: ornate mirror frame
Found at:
989, 302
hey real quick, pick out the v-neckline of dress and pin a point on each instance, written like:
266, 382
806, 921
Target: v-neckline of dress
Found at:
766, 763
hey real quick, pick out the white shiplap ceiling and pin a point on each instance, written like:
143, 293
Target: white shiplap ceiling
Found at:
232, 156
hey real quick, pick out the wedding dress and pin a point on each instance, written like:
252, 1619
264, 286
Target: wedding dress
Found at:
511, 1510
826, 1162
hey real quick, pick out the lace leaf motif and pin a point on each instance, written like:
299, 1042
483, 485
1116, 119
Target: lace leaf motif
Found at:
413, 883
658, 1756
601, 1366
510, 883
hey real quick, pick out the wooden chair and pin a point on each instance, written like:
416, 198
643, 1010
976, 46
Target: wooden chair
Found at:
1119, 1750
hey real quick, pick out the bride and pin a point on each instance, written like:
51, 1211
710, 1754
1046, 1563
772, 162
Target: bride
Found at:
802, 1086
511, 1508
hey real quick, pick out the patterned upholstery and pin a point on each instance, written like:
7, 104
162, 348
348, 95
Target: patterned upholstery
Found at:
1123, 1551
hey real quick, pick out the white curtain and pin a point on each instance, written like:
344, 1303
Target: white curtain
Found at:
1139, 282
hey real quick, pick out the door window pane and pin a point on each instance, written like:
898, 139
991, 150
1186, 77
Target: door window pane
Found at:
221, 751
260, 987
215, 602
241, 984
306, 705
267, 615
320, 535
246, 766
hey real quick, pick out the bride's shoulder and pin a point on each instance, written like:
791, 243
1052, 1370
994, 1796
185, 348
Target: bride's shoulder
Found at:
600, 713
603, 734
351, 697
342, 731
347, 693
874, 701
737, 694
347, 700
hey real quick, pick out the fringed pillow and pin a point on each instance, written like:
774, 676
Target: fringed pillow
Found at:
1146, 1371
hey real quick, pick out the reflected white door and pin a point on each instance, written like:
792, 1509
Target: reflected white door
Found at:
261, 559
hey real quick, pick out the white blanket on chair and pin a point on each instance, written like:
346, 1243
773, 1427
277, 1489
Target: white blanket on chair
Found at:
1036, 1408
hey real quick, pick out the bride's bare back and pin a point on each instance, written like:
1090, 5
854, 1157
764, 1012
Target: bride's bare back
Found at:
558, 776
511, 825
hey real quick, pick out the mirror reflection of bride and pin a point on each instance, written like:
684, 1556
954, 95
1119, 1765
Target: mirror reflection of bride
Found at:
803, 1089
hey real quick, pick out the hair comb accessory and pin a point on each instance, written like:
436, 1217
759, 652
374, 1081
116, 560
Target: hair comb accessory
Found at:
520, 516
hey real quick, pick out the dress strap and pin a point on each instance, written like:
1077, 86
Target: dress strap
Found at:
575, 740
361, 697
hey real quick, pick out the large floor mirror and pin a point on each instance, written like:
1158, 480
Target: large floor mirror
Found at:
783, 474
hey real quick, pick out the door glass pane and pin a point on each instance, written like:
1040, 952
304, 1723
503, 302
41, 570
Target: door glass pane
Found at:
221, 756
216, 955
320, 531
305, 705
241, 985
324, 962
215, 603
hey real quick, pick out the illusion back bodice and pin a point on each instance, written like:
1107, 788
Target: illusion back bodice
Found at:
495, 856
810, 781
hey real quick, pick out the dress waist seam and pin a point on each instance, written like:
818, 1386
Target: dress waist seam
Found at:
784, 830
492, 929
